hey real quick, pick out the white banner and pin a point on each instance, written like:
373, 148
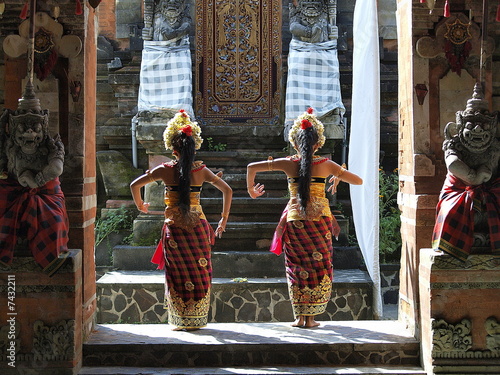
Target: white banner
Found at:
364, 142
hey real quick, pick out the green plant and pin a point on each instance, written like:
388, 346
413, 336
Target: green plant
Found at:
112, 222
390, 221
215, 147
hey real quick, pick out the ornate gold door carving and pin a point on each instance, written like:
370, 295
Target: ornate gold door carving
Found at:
238, 61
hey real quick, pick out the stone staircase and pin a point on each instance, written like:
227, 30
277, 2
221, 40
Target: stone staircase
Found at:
344, 347
249, 328
249, 281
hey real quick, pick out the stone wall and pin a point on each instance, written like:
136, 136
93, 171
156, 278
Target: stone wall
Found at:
421, 164
137, 297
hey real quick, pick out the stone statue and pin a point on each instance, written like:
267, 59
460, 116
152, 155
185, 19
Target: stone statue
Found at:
169, 21
32, 205
166, 74
32, 156
313, 67
309, 22
469, 204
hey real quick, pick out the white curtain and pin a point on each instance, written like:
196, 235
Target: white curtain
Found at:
364, 142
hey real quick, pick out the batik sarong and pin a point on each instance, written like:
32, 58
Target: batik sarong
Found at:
38, 215
308, 253
188, 274
185, 253
308, 247
454, 228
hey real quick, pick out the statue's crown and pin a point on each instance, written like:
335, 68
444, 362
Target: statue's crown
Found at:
477, 103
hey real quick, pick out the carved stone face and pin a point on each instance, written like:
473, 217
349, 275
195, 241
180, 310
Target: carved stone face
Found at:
172, 8
477, 133
29, 134
311, 8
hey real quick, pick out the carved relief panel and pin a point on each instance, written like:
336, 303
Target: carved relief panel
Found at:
238, 61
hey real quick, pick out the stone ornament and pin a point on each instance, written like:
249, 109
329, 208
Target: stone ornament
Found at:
49, 43
456, 39
27, 151
451, 340
492, 327
54, 343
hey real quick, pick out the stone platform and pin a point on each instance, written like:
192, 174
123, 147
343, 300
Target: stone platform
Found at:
343, 347
137, 297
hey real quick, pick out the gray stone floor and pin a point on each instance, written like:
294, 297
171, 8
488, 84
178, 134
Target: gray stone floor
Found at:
375, 334
331, 332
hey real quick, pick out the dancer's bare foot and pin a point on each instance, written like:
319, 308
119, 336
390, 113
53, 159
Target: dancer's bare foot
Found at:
310, 322
184, 329
299, 322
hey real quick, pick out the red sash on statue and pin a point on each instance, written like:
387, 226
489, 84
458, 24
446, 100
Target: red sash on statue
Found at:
39, 215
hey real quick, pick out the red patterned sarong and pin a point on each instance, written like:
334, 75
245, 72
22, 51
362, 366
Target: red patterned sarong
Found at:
186, 256
39, 215
308, 249
454, 229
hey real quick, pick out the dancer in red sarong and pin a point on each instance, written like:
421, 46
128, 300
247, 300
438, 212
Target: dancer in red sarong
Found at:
185, 247
307, 226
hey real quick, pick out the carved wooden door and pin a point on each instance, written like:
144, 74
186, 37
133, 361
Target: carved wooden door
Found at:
238, 61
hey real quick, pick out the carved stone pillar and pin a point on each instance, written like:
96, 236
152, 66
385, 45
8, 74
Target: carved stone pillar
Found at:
460, 314
39, 330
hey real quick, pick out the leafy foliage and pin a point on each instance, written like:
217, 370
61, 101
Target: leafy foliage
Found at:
212, 146
390, 221
112, 222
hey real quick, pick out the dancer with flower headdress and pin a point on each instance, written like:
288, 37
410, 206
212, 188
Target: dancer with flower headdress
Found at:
185, 247
307, 226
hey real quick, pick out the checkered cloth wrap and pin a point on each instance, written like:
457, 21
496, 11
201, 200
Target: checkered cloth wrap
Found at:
454, 228
308, 250
39, 215
313, 79
188, 273
166, 76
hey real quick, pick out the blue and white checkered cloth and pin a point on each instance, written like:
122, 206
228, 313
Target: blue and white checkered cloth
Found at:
313, 79
166, 76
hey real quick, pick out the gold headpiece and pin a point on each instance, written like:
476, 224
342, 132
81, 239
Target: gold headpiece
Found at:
299, 124
181, 123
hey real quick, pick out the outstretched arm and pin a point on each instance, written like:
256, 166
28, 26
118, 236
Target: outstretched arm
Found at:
138, 183
257, 190
227, 197
340, 173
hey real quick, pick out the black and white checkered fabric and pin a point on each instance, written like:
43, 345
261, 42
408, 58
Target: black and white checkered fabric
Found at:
166, 76
313, 79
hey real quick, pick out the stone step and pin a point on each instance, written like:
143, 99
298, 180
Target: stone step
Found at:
274, 370
137, 297
335, 344
230, 264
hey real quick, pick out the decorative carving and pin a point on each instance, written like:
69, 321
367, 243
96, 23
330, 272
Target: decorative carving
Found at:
54, 343
166, 20
238, 58
32, 156
32, 205
450, 340
313, 67
457, 39
492, 327
468, 213
473, 262
50, 43
309, 21
166, 73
